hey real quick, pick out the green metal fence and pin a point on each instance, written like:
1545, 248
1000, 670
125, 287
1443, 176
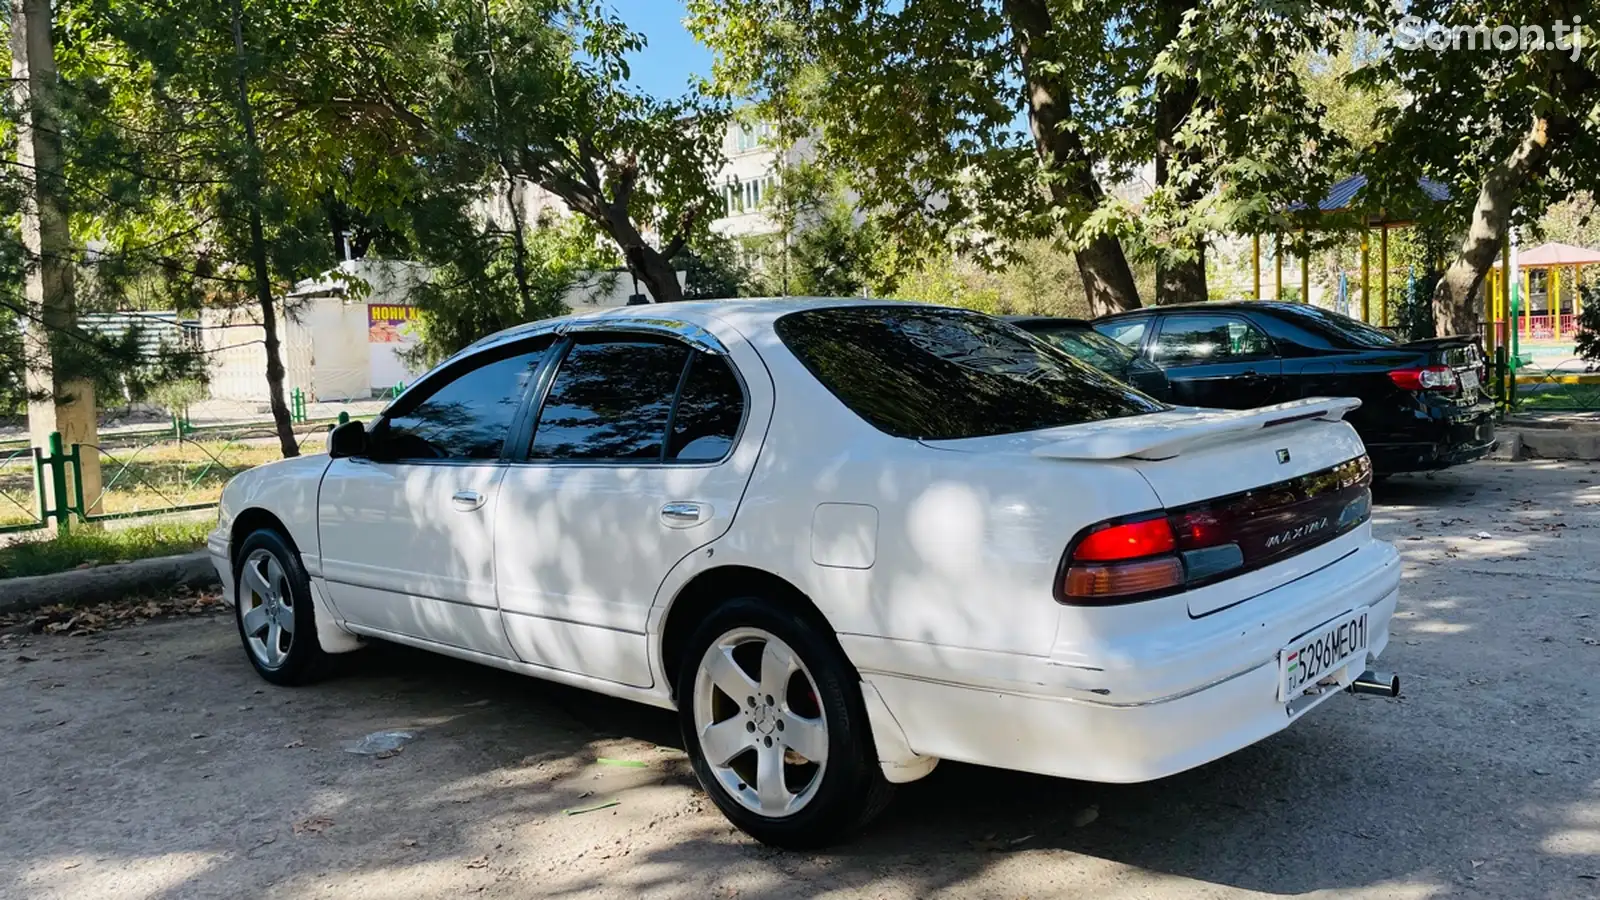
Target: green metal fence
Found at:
155, 475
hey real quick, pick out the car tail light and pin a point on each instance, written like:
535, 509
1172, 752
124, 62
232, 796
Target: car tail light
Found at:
1424, 378
1126, 540
1162, 552
1086, 583
1117, 561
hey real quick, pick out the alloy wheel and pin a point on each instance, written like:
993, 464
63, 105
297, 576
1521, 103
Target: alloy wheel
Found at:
266, 608
761, 728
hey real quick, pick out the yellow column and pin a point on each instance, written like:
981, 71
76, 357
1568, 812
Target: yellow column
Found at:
1577, 291
1305, 269
1553, 289
1366, 277
1489, 295
1277, 260
1527, 303
1383, 272
1505, 289
1255, 263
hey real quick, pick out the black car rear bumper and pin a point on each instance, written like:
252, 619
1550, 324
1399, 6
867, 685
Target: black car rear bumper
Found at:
1457, 441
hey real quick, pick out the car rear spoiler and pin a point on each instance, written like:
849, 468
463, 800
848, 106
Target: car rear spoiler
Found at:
1165, 435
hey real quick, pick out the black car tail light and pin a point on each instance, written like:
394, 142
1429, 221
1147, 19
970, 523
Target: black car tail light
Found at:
1425, 378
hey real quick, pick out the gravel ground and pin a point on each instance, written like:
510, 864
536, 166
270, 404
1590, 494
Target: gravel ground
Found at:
151, 762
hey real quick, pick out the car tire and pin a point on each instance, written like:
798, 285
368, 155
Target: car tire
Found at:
771, 786
281, 639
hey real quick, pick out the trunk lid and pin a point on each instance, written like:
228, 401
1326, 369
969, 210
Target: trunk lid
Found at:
1279, 478
1462, 355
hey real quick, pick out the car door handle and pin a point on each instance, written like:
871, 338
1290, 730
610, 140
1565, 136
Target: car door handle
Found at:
466, 501
682, 514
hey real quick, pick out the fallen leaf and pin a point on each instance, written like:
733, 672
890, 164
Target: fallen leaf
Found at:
481, 862
1085, 816
408, 842
24, 658
1482, 536
580, 810
197, 736
294, 744
313, 825
389, 754
625, 763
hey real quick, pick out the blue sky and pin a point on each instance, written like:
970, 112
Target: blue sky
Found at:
673, 55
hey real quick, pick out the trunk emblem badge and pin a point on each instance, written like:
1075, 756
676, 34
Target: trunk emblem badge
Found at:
1283, 456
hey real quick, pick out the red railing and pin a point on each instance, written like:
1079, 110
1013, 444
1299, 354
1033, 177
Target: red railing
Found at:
1543, 325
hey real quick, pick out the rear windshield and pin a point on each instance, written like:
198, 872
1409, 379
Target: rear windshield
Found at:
938, 374
1340, 328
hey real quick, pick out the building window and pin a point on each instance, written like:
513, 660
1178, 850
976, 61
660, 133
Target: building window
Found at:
748, 196
751, 137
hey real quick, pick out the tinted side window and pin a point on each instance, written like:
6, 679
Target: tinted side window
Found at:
707, 418
1128, 333
468, 417
610, 400
1210, 339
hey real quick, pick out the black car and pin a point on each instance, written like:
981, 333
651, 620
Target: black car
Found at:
1423, 403
1079, 339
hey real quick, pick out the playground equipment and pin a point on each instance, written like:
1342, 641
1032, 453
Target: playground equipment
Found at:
1550, 261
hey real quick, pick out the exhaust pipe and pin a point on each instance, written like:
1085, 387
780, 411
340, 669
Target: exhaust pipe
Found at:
1379, 684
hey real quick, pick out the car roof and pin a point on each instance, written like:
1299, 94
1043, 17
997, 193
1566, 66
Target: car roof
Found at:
1223, 305
1023, 321
760, 309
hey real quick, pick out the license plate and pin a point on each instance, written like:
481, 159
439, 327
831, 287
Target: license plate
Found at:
1321, 652
1469, 380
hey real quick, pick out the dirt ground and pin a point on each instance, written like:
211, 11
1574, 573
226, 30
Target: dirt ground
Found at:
152, 763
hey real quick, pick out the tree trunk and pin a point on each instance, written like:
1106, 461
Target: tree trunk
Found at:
519, 247
654, 270
261, 282
1454, 298
1181, 268
60, 400
1107, 279
1182, 280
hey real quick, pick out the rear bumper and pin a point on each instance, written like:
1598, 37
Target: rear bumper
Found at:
1042, 720
1451, 442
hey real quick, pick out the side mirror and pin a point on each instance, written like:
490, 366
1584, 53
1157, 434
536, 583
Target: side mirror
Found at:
349, 439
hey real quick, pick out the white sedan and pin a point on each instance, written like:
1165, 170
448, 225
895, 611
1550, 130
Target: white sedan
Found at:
844, 539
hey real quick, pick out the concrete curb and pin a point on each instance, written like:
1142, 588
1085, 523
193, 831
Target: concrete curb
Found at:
86, 586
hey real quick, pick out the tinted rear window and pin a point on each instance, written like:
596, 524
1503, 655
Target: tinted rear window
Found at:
1088, 345
1340, 328
938, 374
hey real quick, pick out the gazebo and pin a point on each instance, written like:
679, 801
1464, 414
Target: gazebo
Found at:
1552, 259
1344, 205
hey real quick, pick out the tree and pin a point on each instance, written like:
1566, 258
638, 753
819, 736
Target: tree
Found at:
475, 287
60, 398
535, 91
1510, 131
921, 104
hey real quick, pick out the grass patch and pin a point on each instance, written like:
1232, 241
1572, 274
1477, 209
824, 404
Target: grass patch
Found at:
1558, 396
101, 546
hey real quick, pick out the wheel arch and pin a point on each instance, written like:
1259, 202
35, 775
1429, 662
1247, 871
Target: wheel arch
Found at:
707, 588
254, 519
